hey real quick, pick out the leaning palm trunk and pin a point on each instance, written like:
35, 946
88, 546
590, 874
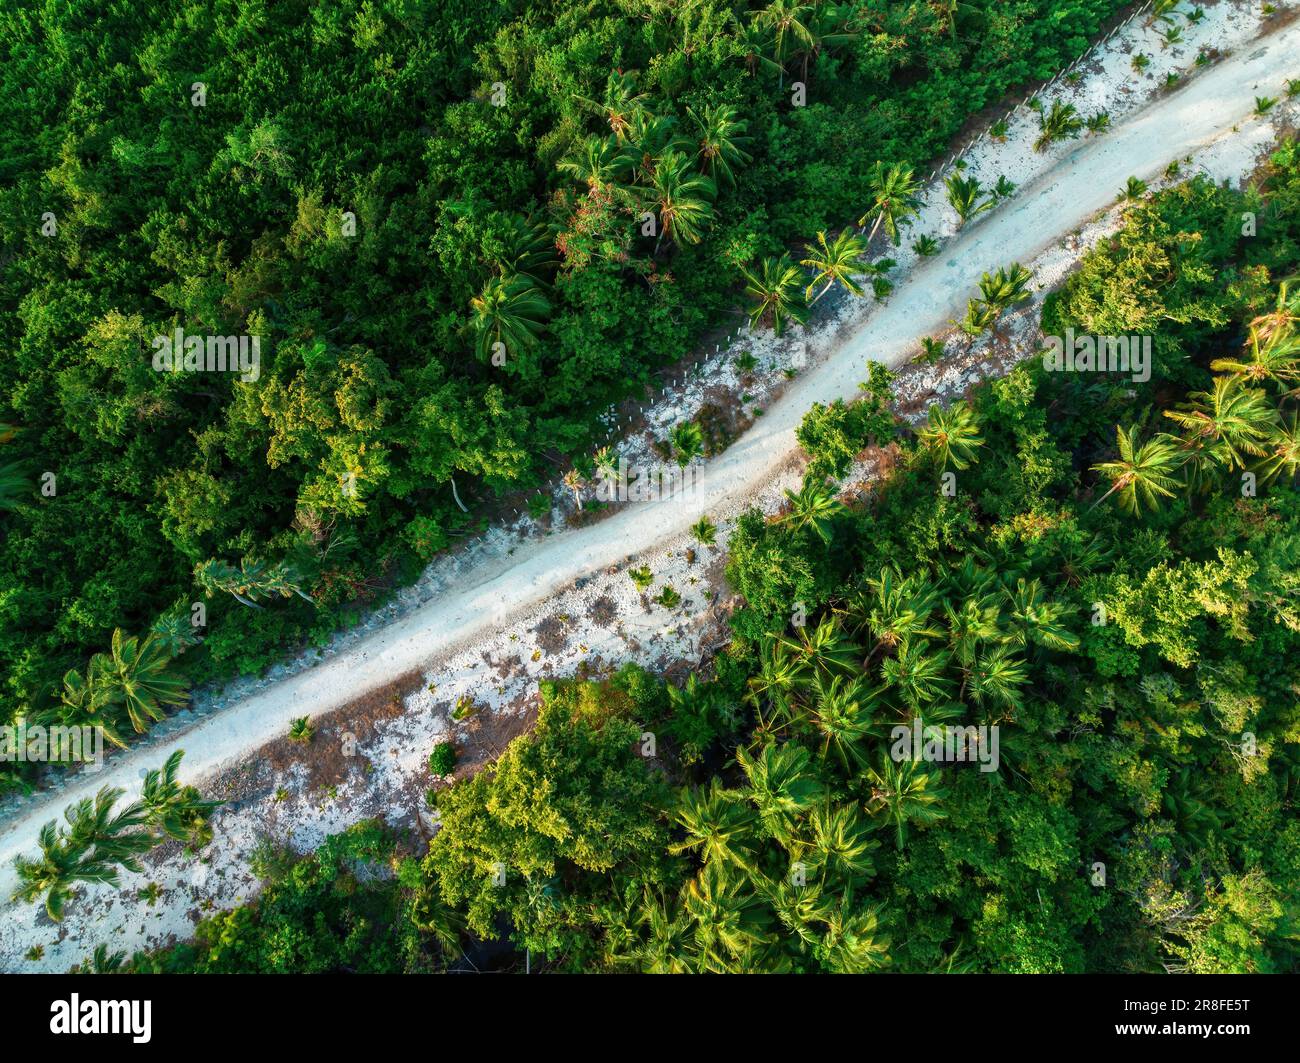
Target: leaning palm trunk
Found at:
456, 495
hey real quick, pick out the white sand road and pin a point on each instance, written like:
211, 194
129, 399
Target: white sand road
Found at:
1084, 181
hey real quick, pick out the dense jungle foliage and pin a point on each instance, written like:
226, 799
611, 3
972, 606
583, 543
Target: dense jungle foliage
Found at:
1124, 608
382, 192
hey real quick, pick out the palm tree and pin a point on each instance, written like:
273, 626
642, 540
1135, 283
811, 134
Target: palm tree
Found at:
904, 792
721, 140
176, 631
801, 909
894, 198
1133, 190
980, 317
527, 249
599, 163
917, 672
681, 198
719, 825
687, 439
102, 961
964, 196
509, 310
840, 261
84, 702
649, 138
827, 650
1279, 323
178, 812
1036, 620
1007, 287
1063, 120
729, 920
777, 291
815, 506
976, 620
1274, 354
251, 581
854, 943
842, 714
620, 104
574, 482
788, 23
951, 437
1227, 422
1144, 473
90, 849
897, 608
995, 679
1282, 454
705, 531
782, 784
842, 843
829, 29
755, 42
669, 945
779, 673
434, 916
137, 673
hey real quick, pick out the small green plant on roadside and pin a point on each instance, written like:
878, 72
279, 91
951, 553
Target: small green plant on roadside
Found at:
1004, 188
539, 506
150, 894
1135, 189
704, 531
668, 597
1264, 104
998, 130
1099, 122
301, 730
465, 708
443, 758
687, 440
1062, 122
931, 349
1141, 61
605, 461
641, 576
925, 246
35, 953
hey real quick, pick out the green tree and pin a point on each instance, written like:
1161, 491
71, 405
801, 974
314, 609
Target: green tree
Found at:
1144, 473
510, 311
90, 849
894, 198
777, 292
838, 262
904, 792
951, 437
178, 812
722, 141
